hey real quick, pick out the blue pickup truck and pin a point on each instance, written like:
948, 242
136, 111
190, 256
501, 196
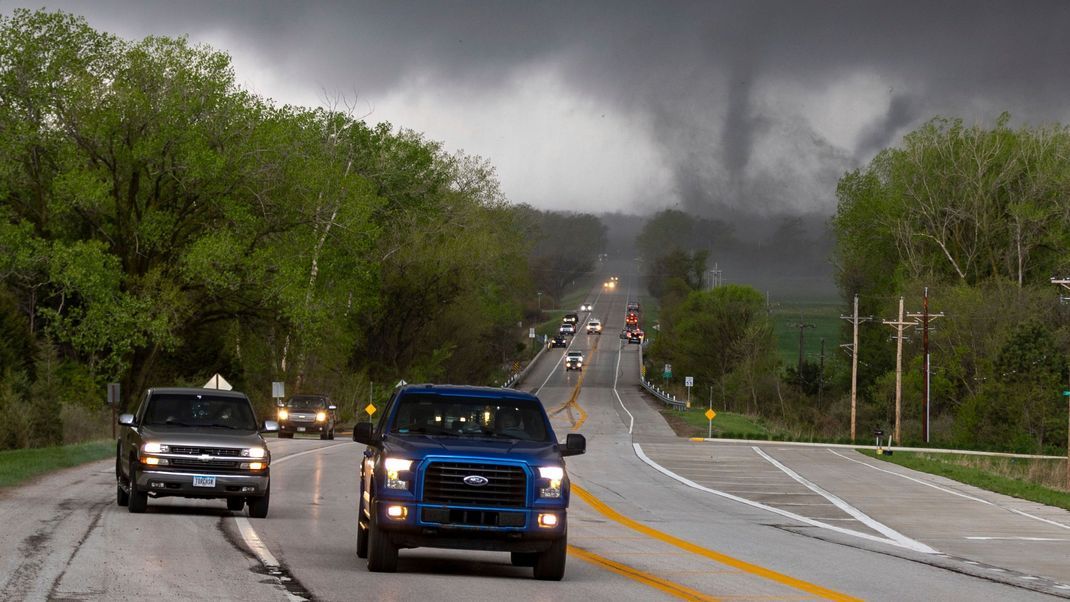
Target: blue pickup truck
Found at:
470, 468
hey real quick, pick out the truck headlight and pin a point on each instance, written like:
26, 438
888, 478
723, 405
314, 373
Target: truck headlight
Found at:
155, 448
254, 452
283, 414
321, 416
394, 467
554, 474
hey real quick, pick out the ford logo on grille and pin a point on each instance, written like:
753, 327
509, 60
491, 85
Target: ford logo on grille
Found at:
476, 480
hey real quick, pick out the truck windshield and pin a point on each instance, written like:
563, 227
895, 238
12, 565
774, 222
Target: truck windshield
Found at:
306, 403
454, 416
200, 411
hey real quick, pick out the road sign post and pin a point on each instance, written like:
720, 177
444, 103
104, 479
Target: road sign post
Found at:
278, 390
113, 401
710, 415
689, 381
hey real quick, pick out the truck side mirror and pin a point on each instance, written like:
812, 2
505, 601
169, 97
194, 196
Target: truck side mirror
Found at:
362, 433
126, 419
575, 445
270, 426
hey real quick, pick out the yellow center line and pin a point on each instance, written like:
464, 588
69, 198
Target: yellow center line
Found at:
725, 559
572, 400
669, 587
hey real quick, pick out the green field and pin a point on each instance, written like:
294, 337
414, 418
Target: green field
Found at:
825, 317
20, 465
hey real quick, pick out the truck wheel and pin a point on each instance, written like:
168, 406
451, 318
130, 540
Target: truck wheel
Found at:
362, 532
122, 498
550, 565
138, 501
258, 506
382, 553
323, 436
331, 435
235, 504
523, 558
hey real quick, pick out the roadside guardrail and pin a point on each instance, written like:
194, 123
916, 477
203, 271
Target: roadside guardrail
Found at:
666, 397
515, 378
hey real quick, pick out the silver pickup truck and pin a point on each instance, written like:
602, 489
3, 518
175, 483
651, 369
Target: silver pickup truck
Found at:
194, 443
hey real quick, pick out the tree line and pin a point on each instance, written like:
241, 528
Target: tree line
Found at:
159, 223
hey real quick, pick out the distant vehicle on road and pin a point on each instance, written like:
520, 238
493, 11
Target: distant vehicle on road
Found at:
194, 443
571, 319
469, 468
567, 328
307, 414
594, 326
559, 340
631, 318
573, 361
587, 307
633, 306
635, 336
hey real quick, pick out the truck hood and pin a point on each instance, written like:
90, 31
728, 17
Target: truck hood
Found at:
201, 437
418, 447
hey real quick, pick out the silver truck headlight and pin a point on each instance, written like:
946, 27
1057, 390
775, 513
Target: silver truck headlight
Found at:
555, 474
155, 448
254, 452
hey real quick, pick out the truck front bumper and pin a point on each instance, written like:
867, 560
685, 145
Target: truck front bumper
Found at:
175, 483
414, 525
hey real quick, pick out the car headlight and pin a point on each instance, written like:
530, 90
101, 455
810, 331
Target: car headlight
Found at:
155, 448
321, 416
394, 466
555, 474
283, 414
254, 452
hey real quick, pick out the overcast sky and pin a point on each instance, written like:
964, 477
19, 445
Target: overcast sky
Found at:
599, 106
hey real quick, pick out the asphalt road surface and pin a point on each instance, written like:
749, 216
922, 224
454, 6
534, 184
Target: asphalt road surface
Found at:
652, 517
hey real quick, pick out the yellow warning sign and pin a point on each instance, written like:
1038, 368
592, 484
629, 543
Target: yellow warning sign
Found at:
710, 414
370, 409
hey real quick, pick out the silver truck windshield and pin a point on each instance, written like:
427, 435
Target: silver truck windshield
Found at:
200, 411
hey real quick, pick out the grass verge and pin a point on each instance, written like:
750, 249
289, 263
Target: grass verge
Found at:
20, 465
693, 423
1009, 476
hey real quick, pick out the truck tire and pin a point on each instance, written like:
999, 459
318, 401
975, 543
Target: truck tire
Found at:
138, 501
330, 435
258, 506
362, 532
122, 498
323, 435
382, 553
550, 565
235, 504
523, 558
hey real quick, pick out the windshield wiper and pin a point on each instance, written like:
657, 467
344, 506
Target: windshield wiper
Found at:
223, 426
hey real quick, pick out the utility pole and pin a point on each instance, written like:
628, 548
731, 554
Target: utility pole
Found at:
1065, 283
821, 373
925, 317
855, 321
899, 325
802, 326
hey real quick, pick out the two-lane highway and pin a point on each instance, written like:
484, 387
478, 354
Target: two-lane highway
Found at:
652, 517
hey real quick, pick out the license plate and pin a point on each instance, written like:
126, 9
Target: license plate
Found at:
204, 481
300, 429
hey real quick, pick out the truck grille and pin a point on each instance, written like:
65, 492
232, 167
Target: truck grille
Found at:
211, 451
194, 463
444, 484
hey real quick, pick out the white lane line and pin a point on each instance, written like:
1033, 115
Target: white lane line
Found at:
616, 374
953, 492
796, 517
849, 509
1043, 520
255, 544
1008, 538
910, 478
310, 451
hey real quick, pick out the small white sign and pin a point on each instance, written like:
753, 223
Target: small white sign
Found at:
113, 394
689, 381
531, 333
278, 390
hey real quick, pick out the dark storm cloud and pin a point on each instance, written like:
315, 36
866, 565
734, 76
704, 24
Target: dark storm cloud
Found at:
710, 78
